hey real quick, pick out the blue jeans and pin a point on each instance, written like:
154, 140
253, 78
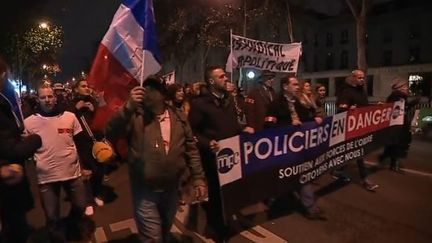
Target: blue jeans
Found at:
154, 212
50, 197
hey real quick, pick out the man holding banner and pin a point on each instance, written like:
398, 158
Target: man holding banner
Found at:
213, 117
351, 96
286, 111
258, 100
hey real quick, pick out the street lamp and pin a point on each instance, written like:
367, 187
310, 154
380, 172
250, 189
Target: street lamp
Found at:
43, 25
250, 74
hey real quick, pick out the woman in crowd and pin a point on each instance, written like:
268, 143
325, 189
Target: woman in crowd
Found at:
177, 98
309, 100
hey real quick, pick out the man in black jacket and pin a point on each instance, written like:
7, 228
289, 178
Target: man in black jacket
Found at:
213, 117
287, 110
351, 96
15, 195
258, 101
161, 147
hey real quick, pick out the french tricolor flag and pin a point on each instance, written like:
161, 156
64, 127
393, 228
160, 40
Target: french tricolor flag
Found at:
127, 55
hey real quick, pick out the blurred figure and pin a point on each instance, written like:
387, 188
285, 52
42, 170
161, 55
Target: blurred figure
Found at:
84, 106
321, 93
309, 100
199, 88
177, 97
239, 102
258, 101
161, 147
29, 104
61, 96
15, 195
188, 89
399, 149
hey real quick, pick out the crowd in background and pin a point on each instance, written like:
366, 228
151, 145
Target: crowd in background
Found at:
173, 135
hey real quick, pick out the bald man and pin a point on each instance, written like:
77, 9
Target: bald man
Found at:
350, 96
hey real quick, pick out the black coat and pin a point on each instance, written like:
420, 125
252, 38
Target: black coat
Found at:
349, 96
212, 118
86, 141
257, 103
279, 109
15, 149
399, 148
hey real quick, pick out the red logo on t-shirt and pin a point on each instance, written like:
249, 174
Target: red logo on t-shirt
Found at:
65, 130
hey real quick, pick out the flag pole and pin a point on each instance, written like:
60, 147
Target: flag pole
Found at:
142, 67
231, 52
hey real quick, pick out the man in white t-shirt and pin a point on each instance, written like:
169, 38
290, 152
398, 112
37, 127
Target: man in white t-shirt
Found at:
57, 161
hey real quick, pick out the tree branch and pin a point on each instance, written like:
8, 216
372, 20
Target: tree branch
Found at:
353, 9
364, 9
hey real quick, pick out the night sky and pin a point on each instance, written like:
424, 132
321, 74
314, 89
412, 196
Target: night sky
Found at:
85, 22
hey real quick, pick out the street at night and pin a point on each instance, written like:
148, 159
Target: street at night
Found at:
168, 121
399, 211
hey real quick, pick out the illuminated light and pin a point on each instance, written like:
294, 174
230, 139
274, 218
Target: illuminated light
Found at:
250, 74
43, 25
106, 57
415, 78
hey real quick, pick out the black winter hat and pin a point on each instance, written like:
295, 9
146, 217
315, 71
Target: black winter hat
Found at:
155, 83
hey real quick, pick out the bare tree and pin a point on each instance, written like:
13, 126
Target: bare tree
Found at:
359, 10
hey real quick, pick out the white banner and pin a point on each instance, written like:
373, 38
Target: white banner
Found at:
263, 55
169, 78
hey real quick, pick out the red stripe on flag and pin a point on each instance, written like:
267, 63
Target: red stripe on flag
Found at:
107, 75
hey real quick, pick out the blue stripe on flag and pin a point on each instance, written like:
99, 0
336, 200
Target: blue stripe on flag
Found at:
144, 15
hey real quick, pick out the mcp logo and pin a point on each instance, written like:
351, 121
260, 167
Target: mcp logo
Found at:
397, 111
226, 159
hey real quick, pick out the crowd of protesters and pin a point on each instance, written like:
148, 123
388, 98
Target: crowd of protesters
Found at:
172, 134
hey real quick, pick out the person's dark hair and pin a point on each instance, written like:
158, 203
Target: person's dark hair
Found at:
318, 86
266, 75
209, 70
171, 91
76, 84
156, 83
285, 80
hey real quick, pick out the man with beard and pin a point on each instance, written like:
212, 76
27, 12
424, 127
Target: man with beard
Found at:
213, 117
57, 162
161, 147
